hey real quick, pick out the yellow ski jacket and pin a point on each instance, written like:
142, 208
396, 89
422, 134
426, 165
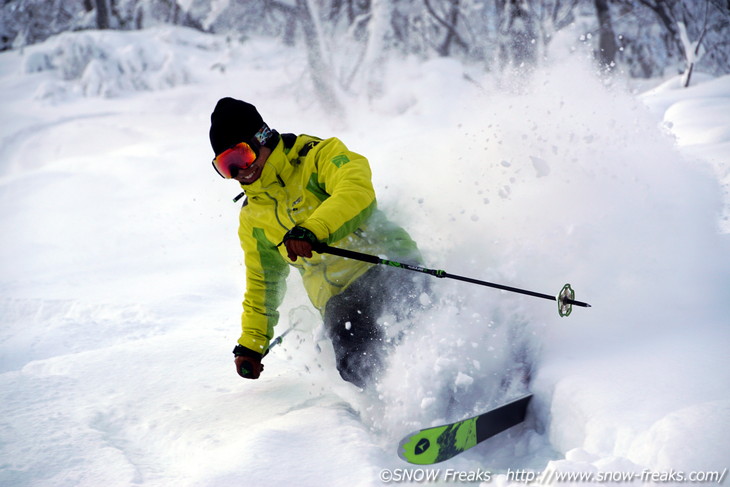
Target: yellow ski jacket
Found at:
324, 187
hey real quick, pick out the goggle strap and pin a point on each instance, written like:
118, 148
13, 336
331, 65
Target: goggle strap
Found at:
263, 135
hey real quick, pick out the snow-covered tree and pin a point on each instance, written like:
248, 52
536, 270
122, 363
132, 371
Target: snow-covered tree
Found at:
351, 40
656, 35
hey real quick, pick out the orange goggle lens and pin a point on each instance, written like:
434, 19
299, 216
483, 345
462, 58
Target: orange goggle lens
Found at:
237, 158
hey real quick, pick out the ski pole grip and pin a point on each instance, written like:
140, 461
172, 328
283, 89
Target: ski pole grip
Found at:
323, 248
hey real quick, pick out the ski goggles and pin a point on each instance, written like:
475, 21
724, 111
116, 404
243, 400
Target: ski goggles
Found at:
237, 158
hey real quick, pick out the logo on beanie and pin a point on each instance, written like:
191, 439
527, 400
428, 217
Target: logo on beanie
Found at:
263, 135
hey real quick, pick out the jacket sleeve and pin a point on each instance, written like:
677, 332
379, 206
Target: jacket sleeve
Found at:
266, 273
343, 181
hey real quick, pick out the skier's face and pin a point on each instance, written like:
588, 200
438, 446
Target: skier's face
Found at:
253, 172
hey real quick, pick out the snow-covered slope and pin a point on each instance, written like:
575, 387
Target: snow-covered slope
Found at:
122, 277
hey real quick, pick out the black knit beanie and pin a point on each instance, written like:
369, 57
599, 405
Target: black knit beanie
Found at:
234, 121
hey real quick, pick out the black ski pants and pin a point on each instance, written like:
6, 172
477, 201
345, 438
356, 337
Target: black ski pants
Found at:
351, 319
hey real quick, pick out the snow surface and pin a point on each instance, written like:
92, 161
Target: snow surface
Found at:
122, 276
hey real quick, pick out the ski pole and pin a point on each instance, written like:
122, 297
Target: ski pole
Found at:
246, 366
296, 325
565, 298
276, 341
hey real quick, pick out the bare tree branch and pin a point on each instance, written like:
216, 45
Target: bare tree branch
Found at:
451, 29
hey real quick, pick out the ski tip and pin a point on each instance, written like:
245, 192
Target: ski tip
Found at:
440, 443
416, 448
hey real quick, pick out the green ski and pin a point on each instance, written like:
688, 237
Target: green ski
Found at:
439, 443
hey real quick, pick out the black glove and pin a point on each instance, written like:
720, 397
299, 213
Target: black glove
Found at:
248, 363
300, 242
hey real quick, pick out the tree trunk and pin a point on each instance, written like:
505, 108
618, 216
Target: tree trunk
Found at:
103, 14
694, 55
517, 36
452, 20
290, 29
319, 69
372, 68
606, 38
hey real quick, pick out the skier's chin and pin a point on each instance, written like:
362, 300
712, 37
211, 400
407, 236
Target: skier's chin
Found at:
251, 178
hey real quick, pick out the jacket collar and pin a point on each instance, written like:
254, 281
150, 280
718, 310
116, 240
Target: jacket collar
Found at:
276, 171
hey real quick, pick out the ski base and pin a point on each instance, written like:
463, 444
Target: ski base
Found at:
440, 443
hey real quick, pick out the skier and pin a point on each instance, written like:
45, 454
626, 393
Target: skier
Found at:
302, 190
